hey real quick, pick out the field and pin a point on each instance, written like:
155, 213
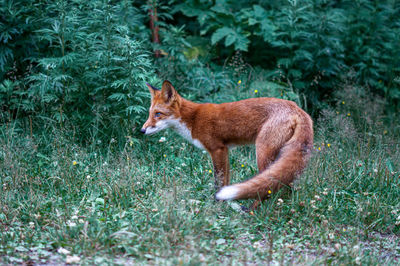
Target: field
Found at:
150, 200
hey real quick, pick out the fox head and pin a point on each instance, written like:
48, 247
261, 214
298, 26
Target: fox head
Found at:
164, 109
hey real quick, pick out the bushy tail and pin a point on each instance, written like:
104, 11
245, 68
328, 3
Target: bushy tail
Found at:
290, 161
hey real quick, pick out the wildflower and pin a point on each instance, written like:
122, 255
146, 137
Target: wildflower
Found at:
375, 170
210, 171
328, 145
239, 81
71, 224
344, 229
330, 208
319, 148
331, 235
343, 102
251, 213
348, 114
88, 177
242, 165
72, 259
32, 225
131, 143
385, 132
154, 210
74, 163
63, 251
162, 139
337, 112
269, 191
255, 91
165, 156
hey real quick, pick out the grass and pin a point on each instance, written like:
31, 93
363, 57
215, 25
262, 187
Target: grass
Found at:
153, 203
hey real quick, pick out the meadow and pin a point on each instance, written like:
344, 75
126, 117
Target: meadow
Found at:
151, 200
80, 185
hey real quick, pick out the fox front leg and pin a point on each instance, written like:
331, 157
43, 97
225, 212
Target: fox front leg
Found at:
221, 166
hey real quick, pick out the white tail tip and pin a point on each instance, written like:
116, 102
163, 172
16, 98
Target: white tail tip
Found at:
227, 193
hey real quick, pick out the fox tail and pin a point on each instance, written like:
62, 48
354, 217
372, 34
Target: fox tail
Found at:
289, 163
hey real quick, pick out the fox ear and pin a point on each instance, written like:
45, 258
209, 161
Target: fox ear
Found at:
168, 92
153, 90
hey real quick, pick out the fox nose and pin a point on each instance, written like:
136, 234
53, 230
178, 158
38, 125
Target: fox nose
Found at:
143, 130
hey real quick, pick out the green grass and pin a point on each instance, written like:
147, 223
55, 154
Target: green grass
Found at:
153, 203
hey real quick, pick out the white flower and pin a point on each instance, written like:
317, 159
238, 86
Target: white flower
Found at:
71, 224
63, 251
72, 259
162, 139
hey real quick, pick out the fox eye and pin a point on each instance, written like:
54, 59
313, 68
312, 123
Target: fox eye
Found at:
158, 114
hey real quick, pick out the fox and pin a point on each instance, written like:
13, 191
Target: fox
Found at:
281, 131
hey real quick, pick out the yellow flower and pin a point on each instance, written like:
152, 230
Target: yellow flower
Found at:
344, 229
74, 163
328, 145
239, 81
251, 213
210, 171
319, 148
348, 114
255, 91
242, 165
131, 143
385, 132
269, 191
165, 156
343, 102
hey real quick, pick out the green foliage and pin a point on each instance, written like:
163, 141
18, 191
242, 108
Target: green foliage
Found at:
310, 43
373, 35
92, 71
18, 42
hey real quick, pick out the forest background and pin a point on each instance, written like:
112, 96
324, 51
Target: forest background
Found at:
79, 182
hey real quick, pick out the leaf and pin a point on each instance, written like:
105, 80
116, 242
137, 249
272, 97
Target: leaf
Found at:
220, 33
230, 39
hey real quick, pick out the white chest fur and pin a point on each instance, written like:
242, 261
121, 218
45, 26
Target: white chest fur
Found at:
181, 128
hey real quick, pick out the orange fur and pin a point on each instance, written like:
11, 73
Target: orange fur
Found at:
282, 133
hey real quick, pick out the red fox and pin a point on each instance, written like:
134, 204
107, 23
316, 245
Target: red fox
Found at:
282, 133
